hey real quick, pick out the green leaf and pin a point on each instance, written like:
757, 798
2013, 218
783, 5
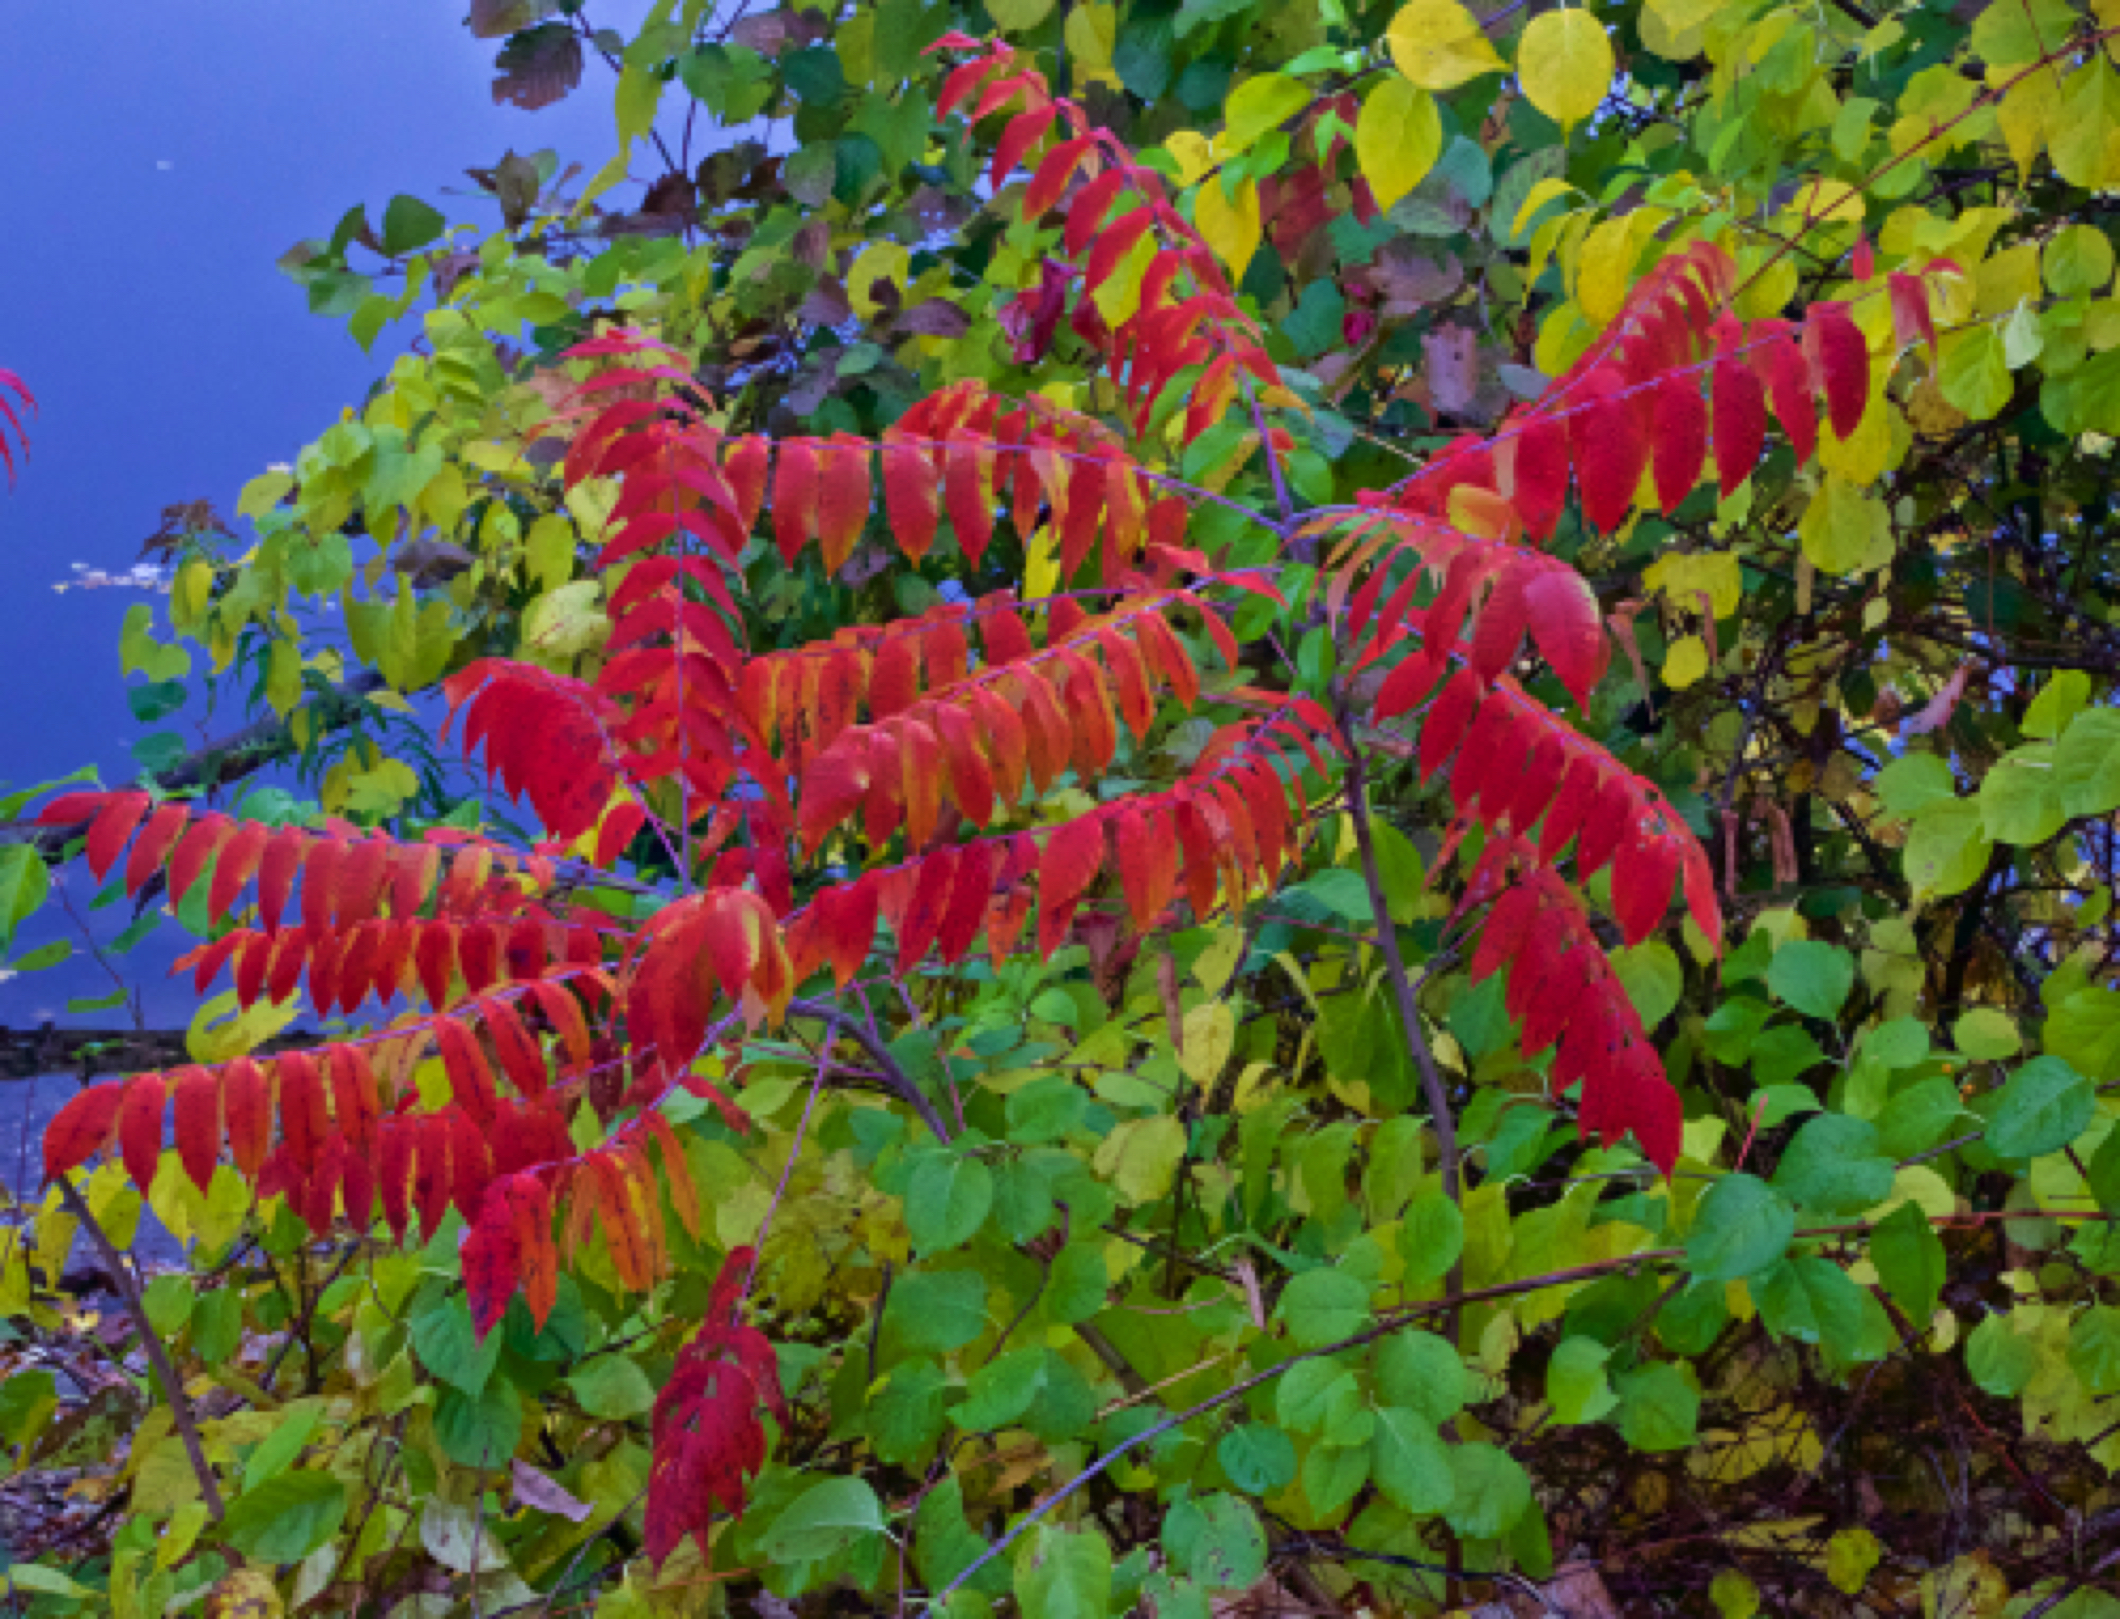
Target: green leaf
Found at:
409, 223
286, 1518
1078, 1284
937, 1310
1986, 1035
481, 1431
1659, 1408
1492, 1491
1912, 782
1409, 1463
1947, 849
169, 1299
823, 1521
1812, 977
2084, 1031
1420, 1371
293, 1429
1576, 1383
2063, 697
443, 1338
28, 1402
1323, 1306
1001, 1391
1258, 105
1853, 1553
613, 1387
2020, 800
2087, 763
1812, 1301
2094, 1349
2001, 1360
1332, 1474
1741, 1227
1217, 1541
1316, 1394
1064, 1574
947, 1200
1431, 1237
157, 701
1833, 1165
2045, 1106
1257, 1458
1652, 978
23, 885
1916, 1118
906, 1416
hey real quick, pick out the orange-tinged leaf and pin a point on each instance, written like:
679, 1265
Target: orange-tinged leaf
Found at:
355, 1098
842, 500
470, 1079
911, 498
795, 498
677, 1171
1073, 856
519, 1053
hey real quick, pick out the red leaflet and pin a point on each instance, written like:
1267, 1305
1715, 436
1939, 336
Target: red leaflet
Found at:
246, 1107
795, 498
1073, 856
1024, 131
1642, 874
1448, 721
81, 1129
1840, 364
1085, 217
842, 500
1740, 422
1055, 169
140, 1128
1679, 438
491, 1260
152, 845
909, 494
197, 1106
115, 821
1565, 624
1611, 449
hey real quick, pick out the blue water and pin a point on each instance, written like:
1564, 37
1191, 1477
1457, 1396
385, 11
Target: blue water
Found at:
154, 162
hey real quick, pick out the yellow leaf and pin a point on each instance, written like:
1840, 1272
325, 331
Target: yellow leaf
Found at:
1438, 44
1194, 154
2026, 116
210, 1040
879, 262
1397, 139
1685, 662
1604, 268
1566, 64
1845, 530
1140, 1157
1210, 1036
1041, 565
1681, 576
1535, 199
1230, 228
551, 551
1018, 16
1092, 33
2086, 128
1261, 104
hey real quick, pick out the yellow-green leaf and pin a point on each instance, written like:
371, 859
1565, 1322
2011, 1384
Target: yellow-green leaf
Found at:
1438, 44
1566, 65
1397, 138
1261, 104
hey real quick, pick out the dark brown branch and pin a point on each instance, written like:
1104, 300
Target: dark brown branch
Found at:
33, 1053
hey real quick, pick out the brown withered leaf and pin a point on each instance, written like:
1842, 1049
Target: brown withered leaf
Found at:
546, 1494
673, 195
490, 19
937, 317
1451, 363
538, 67
514, 183
183, 518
